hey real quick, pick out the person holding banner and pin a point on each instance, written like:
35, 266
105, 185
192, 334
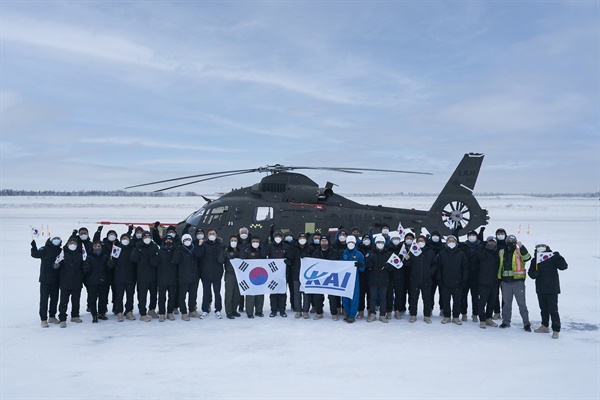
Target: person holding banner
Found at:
379, 278
352, 254
544, 270
422, 264
254, 303
124, 278
71, 281
50, 256
278, 249
95, 268
300, 250
453, 273
232, 291
326, 252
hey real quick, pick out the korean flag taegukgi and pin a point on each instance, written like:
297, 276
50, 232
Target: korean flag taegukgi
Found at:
318, 276
260, 276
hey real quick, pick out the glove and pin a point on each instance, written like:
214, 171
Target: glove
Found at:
482, 229
74, 233
288, 262
156, 224
100, 228
33, 244
341, 227
358, 264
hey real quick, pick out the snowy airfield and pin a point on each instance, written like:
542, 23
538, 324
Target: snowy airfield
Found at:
269, 358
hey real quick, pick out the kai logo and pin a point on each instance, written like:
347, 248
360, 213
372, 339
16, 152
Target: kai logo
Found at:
326, 280
467, 172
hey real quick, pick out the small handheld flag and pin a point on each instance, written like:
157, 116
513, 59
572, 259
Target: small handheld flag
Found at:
35, 232
416, 250
83, 252
543, 256
116, 251
395, 261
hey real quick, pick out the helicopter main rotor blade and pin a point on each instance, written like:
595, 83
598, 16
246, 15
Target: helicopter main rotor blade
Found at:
386, 170
202, 180
193, 176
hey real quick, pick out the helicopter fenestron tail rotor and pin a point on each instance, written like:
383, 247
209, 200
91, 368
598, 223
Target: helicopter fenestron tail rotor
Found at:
272, 169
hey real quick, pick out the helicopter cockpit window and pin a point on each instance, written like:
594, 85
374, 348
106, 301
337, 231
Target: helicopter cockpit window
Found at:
195, 217
214, 214
263, 214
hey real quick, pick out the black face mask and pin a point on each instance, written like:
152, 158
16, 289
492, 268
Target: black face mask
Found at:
97, 251
511, 245
491, 246
168, 245
324, 247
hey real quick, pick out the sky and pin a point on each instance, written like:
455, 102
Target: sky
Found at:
104, 95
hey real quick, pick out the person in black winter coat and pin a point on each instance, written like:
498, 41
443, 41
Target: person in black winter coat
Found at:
166, 278
364, 247
145, 257
71, 281
211, 273
396, 298
274, 250
379, 278
435, 243
49, 256
422, 269
300, 250
108, 243
186, 258
232, 290
486, 264
244, 243
95, 268
544, 269
255, 303
453, 273
326, 252
470, 248
124, 276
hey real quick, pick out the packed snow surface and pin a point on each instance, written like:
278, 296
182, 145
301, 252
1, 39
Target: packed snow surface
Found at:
268, 358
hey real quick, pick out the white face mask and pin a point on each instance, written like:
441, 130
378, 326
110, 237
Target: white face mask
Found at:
472, 239
112, 238
501, 237
125, 242
435, 239
147, 240
317, 241
408, 241
171, 234
187, 242
385, 231
56, 242
452, 245
277, 240
379, 245
342, 239
396, 242
244, 236
255, 245
138, 235
84, 237
289, 239
200, 237
366, 242
421, 244
212, 238
72, 247
233, 245
351, 246
541, 249
302, 241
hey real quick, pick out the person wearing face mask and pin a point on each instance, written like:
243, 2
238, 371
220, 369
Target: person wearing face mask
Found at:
48, 278
500, 244
244, 242
70, 281
124, 273
232, 290
278, 249
470, 247
185, 260
288, 238
486, 265
108, 242
95, 269
422, 268
167, 278
453, 272
299, 250
137, 236
315, 242
211, 273
145, 257
254, 304
364, 247
351, 253
512, 273
84, 239
379, 278
339, 244
435, 243
326, 252
395, 289
547, 285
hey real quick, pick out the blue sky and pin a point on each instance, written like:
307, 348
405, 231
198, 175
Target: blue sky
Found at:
103, 95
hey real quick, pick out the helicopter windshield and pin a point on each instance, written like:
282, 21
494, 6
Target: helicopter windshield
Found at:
214, 214
195, 217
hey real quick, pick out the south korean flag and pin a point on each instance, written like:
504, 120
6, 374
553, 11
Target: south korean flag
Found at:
401, 231
116, 251
416, 250
260, 276
395, 261
543, 256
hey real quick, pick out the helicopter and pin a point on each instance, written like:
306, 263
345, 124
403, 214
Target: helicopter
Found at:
292, 202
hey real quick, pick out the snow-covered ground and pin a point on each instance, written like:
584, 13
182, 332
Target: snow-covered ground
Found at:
287, 358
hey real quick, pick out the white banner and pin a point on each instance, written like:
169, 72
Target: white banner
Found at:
260, 276
331, 277
543, 256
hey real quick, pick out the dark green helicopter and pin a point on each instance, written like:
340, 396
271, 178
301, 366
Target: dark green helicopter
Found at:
293, 202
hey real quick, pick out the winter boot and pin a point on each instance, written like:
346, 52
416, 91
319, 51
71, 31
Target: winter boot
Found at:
482, 324
441, 312
283, 314
230, 316
456, 321
251, 316
350, 320
194, 314
95, 319
475, 318
371, 318
77, 320
312, 310
360, 315
527, 328
145, 318
170, 317
102, 317
273, 314
176, 310
161, 318
218, 315
504, 325
464, 318
130, 316
384, 319
185, 317
45, 324
542, 329
554, 335
53, 320
446, 320
305, 315
153, 314
388, 315
496, 316
335, 317
298, 315
427, 320
63, 324
120, 317
397, 314
490, 322
203, 315
318, 316
412, 319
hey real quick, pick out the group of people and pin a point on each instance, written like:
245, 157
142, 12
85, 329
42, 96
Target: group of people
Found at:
167, 271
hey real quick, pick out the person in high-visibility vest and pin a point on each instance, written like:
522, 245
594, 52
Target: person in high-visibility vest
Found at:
512, 274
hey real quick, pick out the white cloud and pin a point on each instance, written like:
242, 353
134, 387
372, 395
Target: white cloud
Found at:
143, 142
